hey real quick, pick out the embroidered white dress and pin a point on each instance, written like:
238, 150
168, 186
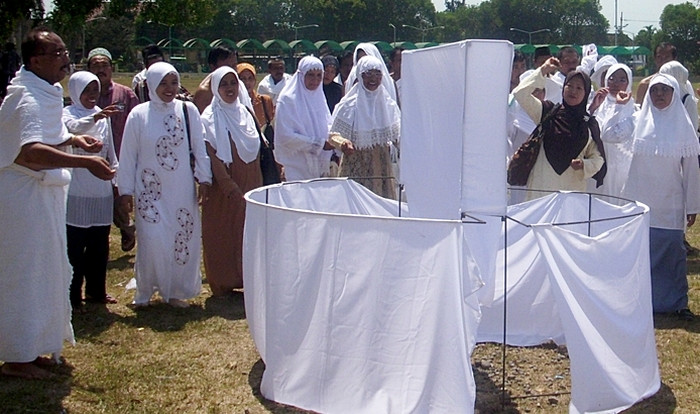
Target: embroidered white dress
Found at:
155, 169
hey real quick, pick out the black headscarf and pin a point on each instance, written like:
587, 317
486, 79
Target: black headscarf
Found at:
566, 132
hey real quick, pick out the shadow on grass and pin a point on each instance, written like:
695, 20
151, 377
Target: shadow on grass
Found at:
123, 262
663, 402
158, 316
670, 321
36, 396
254, 380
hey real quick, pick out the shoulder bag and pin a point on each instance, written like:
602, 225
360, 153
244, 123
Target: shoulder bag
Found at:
268, 165
524, 158
187, 131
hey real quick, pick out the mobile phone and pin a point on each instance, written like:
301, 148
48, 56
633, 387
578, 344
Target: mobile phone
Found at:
120, 106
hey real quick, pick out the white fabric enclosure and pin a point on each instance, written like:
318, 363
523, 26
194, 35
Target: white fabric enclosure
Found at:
354, 310
586, 285
359, 305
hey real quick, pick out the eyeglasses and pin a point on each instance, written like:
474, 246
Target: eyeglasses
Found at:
372, 74
617, 80
57, 53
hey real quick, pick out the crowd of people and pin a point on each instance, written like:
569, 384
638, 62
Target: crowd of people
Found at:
604, 142
153, 157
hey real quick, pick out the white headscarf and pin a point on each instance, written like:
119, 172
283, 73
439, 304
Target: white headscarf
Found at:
365, 117
221, 119
306, 112
370, 50
665, 132
680, 73
609, 106
604, 63
76, 85
154, 75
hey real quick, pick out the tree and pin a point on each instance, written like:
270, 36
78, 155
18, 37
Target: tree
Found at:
568, 21
680, 25
645, 37
14, 12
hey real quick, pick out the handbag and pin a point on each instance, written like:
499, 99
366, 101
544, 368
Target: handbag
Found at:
267, 130
524, 159
268, 165
187, 130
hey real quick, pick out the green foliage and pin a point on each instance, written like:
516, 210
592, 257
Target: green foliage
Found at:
13, 12
568, 21
680, 26
179, 13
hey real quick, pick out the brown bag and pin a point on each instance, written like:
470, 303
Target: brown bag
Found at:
523, 160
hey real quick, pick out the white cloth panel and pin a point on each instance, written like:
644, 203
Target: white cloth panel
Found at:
488, 66
533, 315
605, 307
449, 154
432, 129
357, 313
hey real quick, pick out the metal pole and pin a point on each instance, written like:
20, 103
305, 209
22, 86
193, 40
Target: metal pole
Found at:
170, 41
615, 22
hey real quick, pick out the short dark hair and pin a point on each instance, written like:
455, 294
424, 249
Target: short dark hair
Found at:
220, 53
664, 45
151, 51
32, 45
345, 55
395, 51
518, 56
275, 59
566, 49
542, 51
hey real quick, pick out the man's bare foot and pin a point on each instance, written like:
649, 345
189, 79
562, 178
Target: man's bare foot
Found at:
26, 370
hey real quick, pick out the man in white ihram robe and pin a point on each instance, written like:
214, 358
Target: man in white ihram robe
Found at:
35, 311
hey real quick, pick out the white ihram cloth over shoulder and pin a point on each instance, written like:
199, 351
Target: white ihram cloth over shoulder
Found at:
367, 118
370, 50
616, 128
35, 312
90, 199
223, 120
267, 86
664, 171
302, 120
155, 169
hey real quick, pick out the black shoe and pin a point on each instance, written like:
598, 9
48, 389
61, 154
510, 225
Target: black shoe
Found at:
685, 315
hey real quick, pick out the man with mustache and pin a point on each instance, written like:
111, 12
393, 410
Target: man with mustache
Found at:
116, 100
35, 165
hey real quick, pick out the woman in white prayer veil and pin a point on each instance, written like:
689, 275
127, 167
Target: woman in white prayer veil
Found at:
233, 145
368, 49
614, 108
365, 121
690, 102
302, 119
664, 175
154, 169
